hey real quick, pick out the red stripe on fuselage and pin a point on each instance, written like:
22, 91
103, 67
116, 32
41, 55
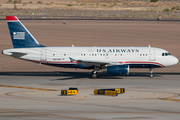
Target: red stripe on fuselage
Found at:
142, 62
126, 62
62, 62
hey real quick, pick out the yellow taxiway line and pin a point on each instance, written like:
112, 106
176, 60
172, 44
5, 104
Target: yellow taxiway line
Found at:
166, 99
29, 88
177, 95
79, 98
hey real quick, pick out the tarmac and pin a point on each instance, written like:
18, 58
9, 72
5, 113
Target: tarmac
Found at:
37, 96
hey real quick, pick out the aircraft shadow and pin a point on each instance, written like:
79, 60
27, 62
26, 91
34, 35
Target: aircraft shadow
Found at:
79, 75
64, 75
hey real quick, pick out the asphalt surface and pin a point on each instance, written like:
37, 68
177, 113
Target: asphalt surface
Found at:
144, 98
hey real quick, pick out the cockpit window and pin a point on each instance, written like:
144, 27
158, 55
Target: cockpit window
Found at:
166, 54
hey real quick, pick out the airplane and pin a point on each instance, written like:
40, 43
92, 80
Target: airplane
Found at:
109, 60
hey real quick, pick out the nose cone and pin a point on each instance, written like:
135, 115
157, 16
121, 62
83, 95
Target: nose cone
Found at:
170, 61
175, 61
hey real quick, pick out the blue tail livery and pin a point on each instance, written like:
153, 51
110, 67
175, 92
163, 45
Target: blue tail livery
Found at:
21, 37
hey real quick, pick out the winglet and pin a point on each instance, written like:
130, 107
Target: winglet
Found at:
11, 18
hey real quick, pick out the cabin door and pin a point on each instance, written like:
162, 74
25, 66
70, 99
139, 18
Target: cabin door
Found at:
43, 55
152, 55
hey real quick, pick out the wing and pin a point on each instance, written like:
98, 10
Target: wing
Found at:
91, 62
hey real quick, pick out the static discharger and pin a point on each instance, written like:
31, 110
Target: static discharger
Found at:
71, 91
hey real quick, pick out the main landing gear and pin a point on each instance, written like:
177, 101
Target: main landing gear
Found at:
94, 74
151, 72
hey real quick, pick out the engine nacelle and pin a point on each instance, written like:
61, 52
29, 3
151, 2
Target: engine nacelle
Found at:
116, 70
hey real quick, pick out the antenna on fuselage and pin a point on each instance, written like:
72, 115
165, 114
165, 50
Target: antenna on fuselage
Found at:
72, 45
149, 45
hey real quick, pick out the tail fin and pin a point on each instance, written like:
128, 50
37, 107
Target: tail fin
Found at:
21, 37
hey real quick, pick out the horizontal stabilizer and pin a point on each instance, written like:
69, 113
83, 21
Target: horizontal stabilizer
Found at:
22, 53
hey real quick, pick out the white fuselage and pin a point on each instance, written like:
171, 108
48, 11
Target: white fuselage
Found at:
135, 57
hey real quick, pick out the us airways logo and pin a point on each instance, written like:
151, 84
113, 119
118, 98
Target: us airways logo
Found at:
118, 50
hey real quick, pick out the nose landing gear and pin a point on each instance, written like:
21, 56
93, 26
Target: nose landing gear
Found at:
151, 72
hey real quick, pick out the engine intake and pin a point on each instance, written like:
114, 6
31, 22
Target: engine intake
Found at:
116, 70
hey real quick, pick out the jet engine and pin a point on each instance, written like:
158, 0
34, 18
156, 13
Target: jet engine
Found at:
116, 70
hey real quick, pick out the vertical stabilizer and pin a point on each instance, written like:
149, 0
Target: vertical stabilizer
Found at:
20, 36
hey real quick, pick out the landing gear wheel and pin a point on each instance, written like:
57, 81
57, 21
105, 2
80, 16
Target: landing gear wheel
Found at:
151, 73
94, 74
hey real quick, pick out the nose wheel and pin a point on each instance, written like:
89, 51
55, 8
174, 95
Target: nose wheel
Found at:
94, 74
151, 75
151, 72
